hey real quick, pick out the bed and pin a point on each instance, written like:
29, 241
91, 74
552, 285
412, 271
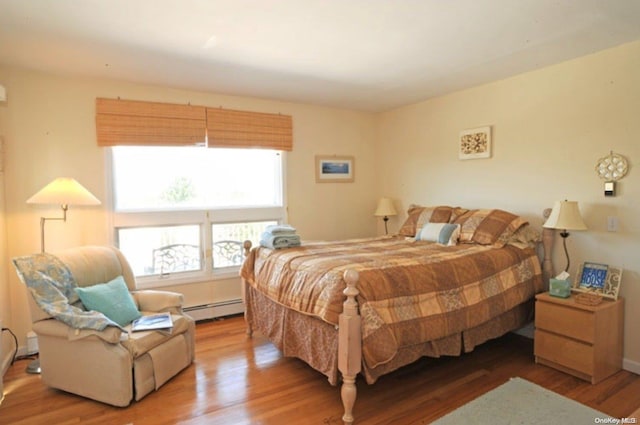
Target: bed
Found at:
373, 305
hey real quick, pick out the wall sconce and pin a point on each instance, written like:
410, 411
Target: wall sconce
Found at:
611, 168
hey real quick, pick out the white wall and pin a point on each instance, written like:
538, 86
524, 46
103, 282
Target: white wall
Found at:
549, 129
49, 129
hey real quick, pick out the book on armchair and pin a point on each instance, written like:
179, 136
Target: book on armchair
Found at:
155, 322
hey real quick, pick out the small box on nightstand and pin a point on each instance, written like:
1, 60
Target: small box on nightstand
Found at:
559, 288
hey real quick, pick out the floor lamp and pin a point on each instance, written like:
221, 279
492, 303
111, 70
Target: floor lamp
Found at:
62, 191
384, 210
565, 215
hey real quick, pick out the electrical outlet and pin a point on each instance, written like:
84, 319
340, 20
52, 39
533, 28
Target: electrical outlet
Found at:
612, 224
32, 343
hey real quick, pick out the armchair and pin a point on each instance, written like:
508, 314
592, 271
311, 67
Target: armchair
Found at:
113, 365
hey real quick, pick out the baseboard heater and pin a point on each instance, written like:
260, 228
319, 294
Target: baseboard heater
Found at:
213, 310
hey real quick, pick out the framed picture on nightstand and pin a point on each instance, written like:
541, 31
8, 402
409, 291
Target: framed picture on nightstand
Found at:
598, 278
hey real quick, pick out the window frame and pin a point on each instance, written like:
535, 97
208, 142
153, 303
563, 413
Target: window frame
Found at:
204, 218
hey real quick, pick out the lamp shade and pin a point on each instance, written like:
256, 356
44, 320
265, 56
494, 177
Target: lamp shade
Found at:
565, 215
64, 191
385, 208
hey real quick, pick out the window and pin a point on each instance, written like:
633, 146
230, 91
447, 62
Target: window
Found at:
183, 213
174, 178
161, 250
227, 241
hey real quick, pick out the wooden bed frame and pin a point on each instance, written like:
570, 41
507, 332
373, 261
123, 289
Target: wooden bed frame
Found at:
349, 330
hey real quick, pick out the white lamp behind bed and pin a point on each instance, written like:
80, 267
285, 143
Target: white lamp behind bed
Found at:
385, 209
565, 215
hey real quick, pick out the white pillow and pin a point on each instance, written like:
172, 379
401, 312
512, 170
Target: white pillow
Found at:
442, 233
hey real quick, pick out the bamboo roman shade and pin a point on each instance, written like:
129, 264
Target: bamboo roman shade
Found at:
243, 129
137, 123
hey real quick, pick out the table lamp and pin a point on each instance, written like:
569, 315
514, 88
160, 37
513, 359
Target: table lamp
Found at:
385, 209
565, 215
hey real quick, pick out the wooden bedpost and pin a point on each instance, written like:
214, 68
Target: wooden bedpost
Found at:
349, 345
548, 236
246, 245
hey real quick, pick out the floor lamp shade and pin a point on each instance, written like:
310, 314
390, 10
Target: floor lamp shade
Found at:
63, 191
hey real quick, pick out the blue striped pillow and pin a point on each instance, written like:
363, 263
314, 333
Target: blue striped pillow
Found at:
442, 233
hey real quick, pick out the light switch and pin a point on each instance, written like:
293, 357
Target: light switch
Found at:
612, 223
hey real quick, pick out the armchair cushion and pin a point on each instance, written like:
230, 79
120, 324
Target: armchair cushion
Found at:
111, 299
57, 329
158, 301
142, 342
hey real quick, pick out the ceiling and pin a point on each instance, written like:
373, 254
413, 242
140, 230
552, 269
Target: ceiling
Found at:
370, 55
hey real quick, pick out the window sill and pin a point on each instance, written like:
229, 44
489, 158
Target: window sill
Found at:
154, 282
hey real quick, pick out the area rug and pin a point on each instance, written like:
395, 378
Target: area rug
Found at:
519, 401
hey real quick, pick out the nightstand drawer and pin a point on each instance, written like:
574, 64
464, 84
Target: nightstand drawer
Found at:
564, 351
574, 323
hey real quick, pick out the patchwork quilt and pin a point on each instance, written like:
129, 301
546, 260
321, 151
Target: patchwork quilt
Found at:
411, 291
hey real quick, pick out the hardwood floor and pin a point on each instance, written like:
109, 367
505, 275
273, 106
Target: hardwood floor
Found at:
240, 380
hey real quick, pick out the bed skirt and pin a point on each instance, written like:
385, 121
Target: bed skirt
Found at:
316, 342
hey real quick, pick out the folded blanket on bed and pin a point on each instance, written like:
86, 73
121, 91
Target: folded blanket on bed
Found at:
279, 241
278, 236
280, 229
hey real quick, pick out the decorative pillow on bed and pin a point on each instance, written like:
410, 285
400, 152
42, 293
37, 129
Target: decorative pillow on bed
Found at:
419, 215
525, 237
497, 228
457, 212
503, 239
488, 227
469, 222
442, 233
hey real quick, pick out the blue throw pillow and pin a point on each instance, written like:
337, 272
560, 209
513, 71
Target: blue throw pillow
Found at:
442, 233
112, 299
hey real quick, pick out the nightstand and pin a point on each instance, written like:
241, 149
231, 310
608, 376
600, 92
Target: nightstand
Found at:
582, 340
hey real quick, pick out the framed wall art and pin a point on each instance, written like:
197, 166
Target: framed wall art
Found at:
600, 279
475, 143
335, 169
